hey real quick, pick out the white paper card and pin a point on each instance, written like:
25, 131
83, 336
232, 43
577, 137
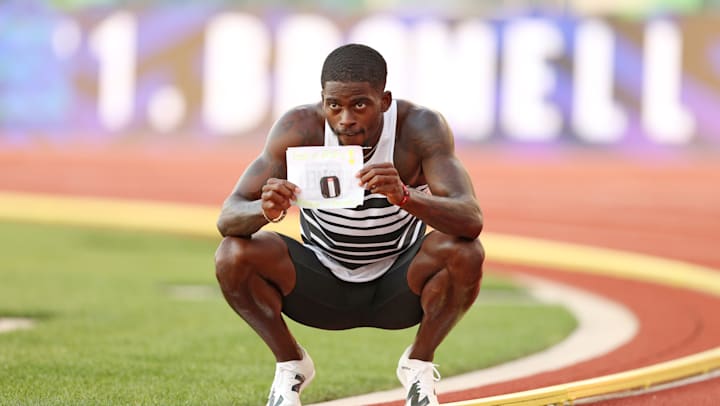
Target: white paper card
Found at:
326, 176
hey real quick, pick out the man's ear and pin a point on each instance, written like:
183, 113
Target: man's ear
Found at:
386, 100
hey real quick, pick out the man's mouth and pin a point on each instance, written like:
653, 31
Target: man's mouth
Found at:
349, 133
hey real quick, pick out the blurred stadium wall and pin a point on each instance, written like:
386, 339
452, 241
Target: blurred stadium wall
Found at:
625, 74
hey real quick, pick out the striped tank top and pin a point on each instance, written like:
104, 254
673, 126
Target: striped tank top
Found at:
360, 244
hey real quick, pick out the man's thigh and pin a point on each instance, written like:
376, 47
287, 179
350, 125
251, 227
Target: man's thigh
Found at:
265, 255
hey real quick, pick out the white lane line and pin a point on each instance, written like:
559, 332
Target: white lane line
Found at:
8, 324
603, 325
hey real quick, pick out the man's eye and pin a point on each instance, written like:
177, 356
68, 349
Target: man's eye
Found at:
360, 105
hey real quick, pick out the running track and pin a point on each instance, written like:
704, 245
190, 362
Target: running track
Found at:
665, 204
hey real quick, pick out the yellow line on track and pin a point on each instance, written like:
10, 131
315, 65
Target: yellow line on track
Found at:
178, 218
603, 261
640, 378
200, 221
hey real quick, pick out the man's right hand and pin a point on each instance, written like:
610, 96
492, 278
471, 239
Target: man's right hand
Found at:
277, 196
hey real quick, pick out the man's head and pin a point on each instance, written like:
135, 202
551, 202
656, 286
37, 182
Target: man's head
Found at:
353, 94
355, 63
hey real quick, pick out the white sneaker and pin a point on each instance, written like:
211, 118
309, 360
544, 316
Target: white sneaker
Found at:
291, 377
418, 377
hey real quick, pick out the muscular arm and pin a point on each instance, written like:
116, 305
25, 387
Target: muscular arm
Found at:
263, 186
242, 212
452, 208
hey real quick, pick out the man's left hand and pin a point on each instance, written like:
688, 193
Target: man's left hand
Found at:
384, 179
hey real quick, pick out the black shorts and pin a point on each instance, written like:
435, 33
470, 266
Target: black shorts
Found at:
321, 300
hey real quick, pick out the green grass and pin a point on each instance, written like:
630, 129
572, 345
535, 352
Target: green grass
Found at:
110, 331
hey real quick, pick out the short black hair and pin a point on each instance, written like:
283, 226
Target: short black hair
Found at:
355, 63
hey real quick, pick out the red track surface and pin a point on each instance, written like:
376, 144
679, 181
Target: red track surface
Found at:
667, 204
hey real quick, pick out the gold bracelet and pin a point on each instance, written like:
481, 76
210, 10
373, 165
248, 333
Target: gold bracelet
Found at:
276, 219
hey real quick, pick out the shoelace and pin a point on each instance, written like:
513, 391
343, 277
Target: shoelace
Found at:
436, 373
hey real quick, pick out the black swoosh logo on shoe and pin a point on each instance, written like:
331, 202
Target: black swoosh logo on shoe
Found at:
414, 396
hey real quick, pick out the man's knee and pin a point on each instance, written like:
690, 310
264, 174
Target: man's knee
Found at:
462, 258
467, 260
231, 262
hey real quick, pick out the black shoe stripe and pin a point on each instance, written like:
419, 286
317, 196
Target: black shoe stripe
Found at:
301, 380
414, 396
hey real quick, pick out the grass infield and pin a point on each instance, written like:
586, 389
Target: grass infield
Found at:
129, 317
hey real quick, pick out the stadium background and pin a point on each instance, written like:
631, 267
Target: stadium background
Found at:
624, 75
567, 112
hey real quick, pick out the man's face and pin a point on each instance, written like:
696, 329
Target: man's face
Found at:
354, 111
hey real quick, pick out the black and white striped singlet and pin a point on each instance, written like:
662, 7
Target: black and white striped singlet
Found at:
361, 243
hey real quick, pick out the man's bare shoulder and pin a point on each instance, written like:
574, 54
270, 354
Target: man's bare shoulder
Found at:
301, 125
305, 112
416, 122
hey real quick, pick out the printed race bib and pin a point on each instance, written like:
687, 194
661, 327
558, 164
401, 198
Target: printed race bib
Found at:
326, 176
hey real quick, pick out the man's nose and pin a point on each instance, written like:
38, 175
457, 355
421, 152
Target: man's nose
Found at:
347, 119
